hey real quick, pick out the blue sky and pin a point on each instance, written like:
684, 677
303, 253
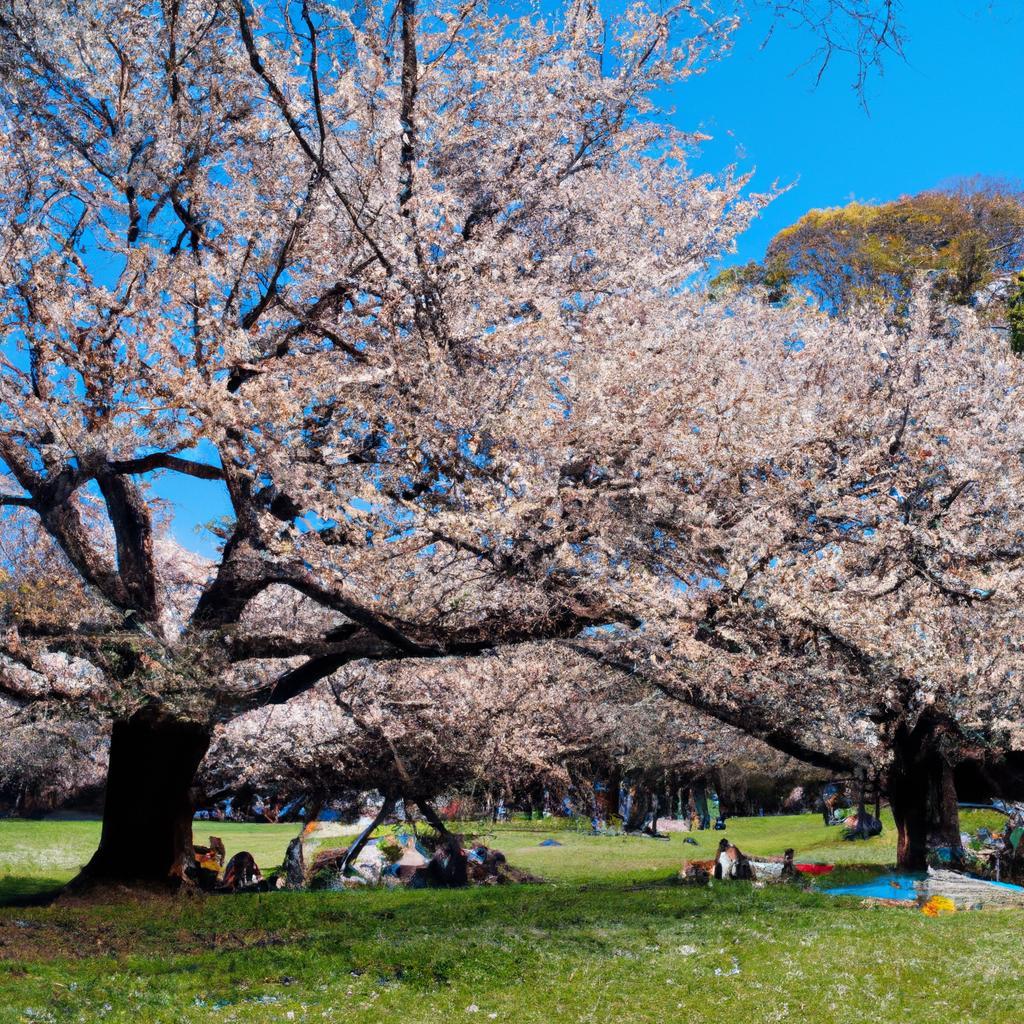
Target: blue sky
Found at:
954, 108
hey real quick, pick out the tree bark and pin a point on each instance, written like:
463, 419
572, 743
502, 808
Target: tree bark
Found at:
909, 813
655, 807
946, 831
922, 794
433, 819
639, 808
147, 814
536, 802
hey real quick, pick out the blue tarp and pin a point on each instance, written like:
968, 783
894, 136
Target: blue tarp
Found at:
898, 887
885, 887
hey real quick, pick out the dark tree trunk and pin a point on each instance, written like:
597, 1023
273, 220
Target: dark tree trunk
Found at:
147, 815
295, 864
922, 794
655, 808
911, 817
612, 794
671, 806
945, 825
433, 819
639, 808
700, 802
536, 802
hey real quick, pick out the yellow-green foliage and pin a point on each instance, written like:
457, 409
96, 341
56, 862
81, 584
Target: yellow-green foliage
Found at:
773, 276
870, 254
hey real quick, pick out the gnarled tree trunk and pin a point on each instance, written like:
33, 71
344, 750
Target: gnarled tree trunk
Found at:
147, 814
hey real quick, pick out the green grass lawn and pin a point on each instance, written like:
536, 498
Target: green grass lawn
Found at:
608, 938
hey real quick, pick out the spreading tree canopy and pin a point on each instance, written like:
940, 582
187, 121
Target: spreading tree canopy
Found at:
411, 286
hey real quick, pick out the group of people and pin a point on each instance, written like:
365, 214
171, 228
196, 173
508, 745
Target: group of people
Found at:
732, 863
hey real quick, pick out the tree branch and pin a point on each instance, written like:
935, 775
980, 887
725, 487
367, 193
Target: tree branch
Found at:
164, 460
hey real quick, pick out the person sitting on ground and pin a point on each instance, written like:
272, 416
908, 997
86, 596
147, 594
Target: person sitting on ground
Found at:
788, 867
732, 863
829, 802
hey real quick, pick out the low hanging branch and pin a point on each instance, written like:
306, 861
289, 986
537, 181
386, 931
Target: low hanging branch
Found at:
352, 854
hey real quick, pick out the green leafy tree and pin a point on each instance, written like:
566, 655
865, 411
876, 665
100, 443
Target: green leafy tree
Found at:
774, 276
870, 255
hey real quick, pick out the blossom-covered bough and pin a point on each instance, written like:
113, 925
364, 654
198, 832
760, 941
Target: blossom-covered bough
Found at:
509, 726
416, 730
410, 285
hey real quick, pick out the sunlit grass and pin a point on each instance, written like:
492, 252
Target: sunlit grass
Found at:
607, 939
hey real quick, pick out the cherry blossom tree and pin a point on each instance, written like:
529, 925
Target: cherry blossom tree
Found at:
832, 514
418, 730
336, 263
538, 718
411, 286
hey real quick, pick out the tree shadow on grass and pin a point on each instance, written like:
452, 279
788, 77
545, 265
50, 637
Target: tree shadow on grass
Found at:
29, 890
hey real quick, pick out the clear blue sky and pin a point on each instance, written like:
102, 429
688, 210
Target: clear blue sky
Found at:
954, 108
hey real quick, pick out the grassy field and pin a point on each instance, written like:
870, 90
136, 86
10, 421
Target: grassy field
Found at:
607, 938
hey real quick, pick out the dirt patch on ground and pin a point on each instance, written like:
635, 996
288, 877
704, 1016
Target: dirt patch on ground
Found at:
76, 936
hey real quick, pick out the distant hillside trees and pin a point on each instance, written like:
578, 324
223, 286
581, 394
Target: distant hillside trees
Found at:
968, 239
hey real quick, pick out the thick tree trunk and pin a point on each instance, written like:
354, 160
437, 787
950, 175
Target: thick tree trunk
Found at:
922, 794
147, 815
946, 824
